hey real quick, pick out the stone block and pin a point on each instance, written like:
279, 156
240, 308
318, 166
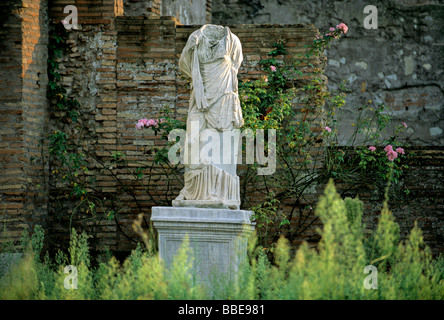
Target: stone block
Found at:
217, 239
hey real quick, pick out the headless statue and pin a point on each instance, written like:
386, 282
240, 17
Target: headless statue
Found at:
211, 58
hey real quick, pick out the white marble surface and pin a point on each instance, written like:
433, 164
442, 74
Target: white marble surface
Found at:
218, 239
211, 58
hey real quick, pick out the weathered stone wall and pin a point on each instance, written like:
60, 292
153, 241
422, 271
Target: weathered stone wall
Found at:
35, 108
88, 73
11, 153
400, 64
142, 7
188, 12
23, 117
91, 11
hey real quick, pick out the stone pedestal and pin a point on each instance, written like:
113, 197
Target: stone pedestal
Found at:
214, 204
217, 239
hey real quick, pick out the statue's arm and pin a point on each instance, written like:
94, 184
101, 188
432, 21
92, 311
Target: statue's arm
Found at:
236, 53
187, 54
236, 59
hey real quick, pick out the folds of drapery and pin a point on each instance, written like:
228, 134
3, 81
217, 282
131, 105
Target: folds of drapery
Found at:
190, 65
214, 105
211, 183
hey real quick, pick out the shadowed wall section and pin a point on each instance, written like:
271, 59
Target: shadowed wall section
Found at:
24, 117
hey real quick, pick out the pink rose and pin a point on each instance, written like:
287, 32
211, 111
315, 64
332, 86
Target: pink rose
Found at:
328, 129
400, 150
388, 148
141, 123
332, 29
343, 27
392, 155
404, 124
152, 123
371, 148
273, 68
147, 123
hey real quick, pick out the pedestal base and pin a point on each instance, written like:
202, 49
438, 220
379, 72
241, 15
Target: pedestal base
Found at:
210, 204
217, 238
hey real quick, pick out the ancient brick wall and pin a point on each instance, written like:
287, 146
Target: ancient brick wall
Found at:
122, 67
35, 107
142, 8
24, 116
11, 168
90, 12
88, 73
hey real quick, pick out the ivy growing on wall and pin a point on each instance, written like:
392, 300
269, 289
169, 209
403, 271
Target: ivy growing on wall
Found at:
56, 93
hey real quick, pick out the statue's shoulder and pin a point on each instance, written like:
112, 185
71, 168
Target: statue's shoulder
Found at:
198, 33
235, 39
233, 36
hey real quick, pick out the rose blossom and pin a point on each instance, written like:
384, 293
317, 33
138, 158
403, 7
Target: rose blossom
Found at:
343, 27
400, 150
147, 123
392, 155
388, 148
371, 148
328, 129
404, 124
273, 68
151, 122
141, 123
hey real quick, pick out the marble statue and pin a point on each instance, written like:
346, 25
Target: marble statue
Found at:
211, 58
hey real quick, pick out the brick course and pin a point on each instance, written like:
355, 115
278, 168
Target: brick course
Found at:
24, 116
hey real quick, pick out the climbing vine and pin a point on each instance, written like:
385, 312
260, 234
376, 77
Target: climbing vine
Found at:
292, 98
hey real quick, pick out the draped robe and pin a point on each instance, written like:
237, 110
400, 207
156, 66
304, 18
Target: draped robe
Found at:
211, 58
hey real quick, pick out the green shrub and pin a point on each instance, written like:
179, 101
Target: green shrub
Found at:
333, 270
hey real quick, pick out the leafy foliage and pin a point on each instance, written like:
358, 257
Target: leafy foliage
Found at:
292, 99
405, 270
